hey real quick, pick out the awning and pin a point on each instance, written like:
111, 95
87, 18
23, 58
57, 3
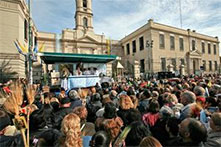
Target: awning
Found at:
51, 58
119, 66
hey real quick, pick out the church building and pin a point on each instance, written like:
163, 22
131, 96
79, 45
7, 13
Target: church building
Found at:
82, 39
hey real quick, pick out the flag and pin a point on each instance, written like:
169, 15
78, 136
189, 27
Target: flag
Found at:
41, 49
35, 50
23, 48
108, 46
18, 48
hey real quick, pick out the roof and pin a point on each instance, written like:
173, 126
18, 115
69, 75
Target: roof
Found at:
51, 58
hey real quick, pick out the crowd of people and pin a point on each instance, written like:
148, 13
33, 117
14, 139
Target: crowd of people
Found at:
182, 111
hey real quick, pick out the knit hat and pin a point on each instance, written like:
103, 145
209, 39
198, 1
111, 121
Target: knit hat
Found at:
4, 120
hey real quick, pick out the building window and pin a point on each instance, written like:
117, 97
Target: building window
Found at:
182, 62
173, 60
141, 43
128, 49
215, 65
85, 3
204, 65
163, 64
85, 23
181, 44
203, 47
123, 49
162, 44
172, 43
193, 45
214, 48
210, 65
142, 66
134, 46
31, 39
35, 41
26, 29
209, 49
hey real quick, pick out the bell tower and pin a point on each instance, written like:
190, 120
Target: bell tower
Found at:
84, 15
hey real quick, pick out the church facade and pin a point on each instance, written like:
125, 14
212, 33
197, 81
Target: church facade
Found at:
82, 39
150, 49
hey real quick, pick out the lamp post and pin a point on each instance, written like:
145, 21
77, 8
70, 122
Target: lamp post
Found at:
30, 80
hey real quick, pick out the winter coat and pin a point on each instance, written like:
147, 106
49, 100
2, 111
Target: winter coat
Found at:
213, 139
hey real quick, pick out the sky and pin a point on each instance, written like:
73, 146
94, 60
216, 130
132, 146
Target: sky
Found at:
118, 18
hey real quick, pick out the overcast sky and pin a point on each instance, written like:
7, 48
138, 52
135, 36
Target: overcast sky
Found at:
117, 18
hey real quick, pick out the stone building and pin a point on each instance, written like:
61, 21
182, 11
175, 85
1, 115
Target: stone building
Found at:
159, 47
82, 39
150, 49
14, 15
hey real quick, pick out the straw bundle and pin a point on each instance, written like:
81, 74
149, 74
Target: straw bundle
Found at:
31, 93
14, 101
13, 105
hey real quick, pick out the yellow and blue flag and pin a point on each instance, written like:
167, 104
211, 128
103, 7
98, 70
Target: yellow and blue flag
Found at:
18, 48
23, 48
41, 49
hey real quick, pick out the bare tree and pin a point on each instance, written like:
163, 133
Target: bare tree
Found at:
6, 72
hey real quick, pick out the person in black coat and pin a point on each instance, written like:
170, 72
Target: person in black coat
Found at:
62, 112
6, 140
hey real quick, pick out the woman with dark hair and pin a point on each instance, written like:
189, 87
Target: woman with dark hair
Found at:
93, 106
100, 139
144, 101
109, 113
152, 116
48, 115
137, 133
172, 127
42, 118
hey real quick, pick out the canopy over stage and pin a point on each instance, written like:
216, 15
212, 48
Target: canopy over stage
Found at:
88, 60
52, 58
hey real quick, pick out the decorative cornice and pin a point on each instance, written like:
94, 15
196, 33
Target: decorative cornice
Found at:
12, 56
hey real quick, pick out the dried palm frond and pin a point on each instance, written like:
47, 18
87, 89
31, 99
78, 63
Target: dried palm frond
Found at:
17, 92
15, 99
31, 92
11, 105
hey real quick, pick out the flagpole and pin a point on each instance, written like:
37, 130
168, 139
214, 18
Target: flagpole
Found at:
29, 46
